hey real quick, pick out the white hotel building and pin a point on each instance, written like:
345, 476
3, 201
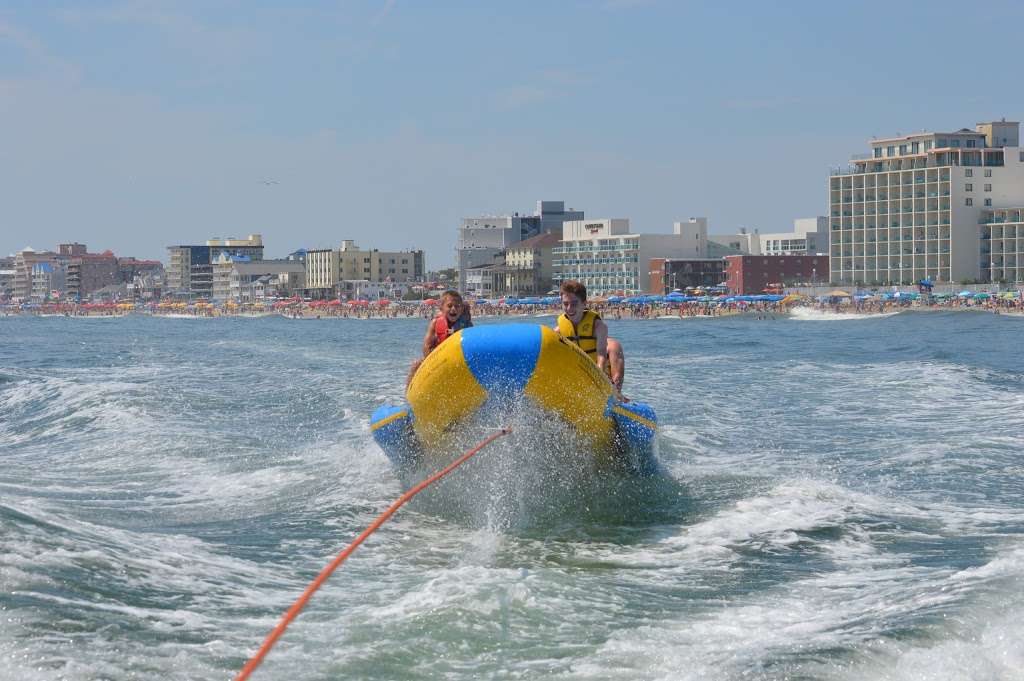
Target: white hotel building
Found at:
607, 258
923, 206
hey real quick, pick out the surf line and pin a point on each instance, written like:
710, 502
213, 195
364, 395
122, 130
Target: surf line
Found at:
293, 612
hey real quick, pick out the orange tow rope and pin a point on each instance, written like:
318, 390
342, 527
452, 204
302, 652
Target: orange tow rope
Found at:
293, 612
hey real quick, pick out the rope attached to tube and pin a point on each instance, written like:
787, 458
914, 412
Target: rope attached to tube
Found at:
293, 612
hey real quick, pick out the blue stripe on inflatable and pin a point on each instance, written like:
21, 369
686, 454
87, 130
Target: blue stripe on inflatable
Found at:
502, 357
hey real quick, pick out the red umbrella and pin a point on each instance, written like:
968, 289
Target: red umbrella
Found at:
430, 301
383, 301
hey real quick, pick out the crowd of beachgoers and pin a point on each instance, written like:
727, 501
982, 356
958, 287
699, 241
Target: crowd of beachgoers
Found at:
639, 307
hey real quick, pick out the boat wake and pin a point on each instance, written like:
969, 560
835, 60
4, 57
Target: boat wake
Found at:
811, 314
542, 473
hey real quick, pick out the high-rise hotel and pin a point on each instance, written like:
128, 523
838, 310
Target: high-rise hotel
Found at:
924, 206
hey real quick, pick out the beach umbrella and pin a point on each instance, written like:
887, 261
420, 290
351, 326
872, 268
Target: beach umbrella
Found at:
838, 294
383, 301
614, 299
430, 301
965, 294
982, 295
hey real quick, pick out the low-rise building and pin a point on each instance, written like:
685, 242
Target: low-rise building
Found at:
483, 237
485, 281
528, 270
753, 274
670, 274
606, 256
89, 272
254, 280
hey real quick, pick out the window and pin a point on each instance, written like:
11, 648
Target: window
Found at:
943, 143
915, 147
988, 202
878, 152
968, 173
970, 143
988, 172
927, 145
903, 149
890, 151
968, 201
988, 187
969, 187
954, 143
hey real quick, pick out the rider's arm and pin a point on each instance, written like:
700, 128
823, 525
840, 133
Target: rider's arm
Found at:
430, 340
601, 334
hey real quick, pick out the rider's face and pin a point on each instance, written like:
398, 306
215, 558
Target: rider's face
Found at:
452, 309
572, 306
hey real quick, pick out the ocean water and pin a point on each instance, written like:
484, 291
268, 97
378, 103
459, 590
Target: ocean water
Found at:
842, 498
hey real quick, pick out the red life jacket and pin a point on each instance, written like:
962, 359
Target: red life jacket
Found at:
442, 330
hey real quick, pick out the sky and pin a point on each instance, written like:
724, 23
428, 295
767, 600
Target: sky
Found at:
132, 126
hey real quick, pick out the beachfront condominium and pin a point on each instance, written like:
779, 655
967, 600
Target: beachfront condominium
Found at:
607, 258
328, 270
484, 239
916, 207
190, 268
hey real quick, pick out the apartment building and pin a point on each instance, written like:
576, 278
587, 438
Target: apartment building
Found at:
1002, 245
6, 277
89, 272
915, 206
190, 267
607, 257
48, 281
373, 265
528, 270
24, 261
323, 271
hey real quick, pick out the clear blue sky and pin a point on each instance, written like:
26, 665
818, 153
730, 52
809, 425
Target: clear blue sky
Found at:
135, 125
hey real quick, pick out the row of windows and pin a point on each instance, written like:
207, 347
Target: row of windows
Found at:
970, 187
916, 147
970, 202
969, 172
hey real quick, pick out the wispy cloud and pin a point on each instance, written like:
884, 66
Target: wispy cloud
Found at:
550, 84
231, 43
385, 11
34, 49
760, 103
627, 4
520, 96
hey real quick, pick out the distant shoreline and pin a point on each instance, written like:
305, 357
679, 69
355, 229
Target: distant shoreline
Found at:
610, 312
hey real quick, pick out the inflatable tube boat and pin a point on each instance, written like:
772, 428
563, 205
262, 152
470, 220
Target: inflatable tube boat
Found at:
489, 371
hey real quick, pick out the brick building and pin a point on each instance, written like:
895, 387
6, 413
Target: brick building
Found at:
752, 274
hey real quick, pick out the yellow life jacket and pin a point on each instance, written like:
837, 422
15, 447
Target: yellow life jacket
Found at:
581, 334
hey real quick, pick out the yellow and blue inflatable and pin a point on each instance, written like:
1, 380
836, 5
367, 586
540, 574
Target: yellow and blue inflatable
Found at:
492, 369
